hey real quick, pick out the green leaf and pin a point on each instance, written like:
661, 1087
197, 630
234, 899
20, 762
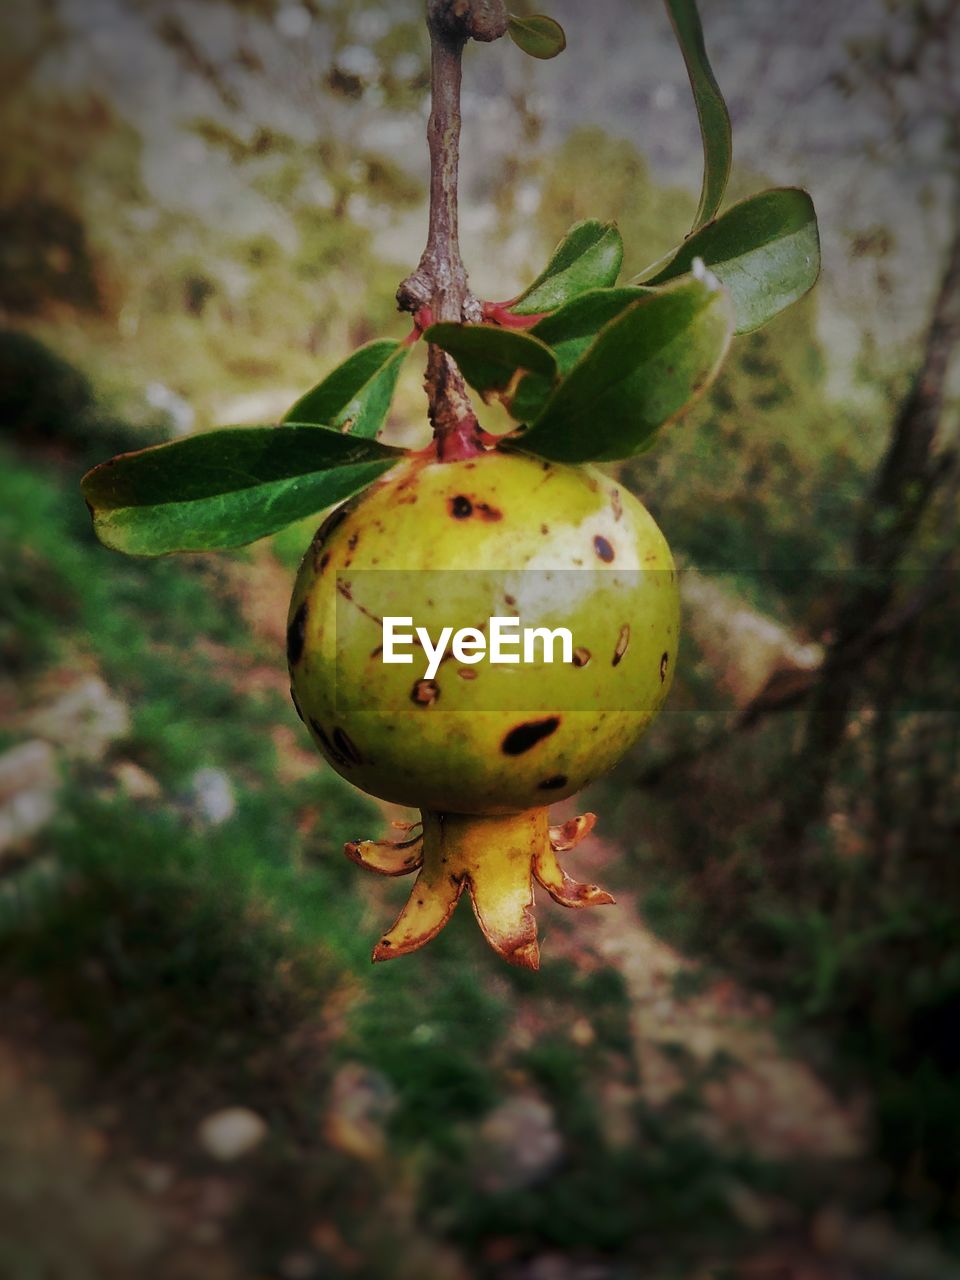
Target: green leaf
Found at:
646, 366
539, 36
228, 487
490, 357
588, 257
356, 396
764, 250
569, 331
711, 109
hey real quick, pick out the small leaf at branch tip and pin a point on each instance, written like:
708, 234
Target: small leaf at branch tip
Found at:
539, 36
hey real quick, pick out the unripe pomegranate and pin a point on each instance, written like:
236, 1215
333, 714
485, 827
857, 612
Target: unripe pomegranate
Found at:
481, 748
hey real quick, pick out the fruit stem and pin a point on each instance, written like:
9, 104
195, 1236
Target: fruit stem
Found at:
440, 280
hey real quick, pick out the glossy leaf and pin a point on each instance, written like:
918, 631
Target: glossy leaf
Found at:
490, 357
539, 36
765, 250
711, 109
356, 396
646, 366
588, 257
228, 487
569, 331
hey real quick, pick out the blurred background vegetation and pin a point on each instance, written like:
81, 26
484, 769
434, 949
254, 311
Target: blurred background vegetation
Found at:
749, 1068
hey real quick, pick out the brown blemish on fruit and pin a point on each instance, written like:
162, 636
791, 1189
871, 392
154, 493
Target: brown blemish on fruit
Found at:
524, 736
328, 746
510, 600
296, 635
581, 656
603, 548
462, 508
333, 520
553, 784
425, 693
346, 590
623, 639
664, 663
615, 504
375, 653
353, 540
467, 673
323, 562
544, 529
344, 745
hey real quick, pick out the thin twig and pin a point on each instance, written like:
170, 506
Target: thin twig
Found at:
440, 280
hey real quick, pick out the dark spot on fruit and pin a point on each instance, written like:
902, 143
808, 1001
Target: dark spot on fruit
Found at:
488, 513
346, 747
375, 653
527, 735
296, 704
324, 561
615, 503
581, 656
333, 520
470, 466
425, 693
328, 746
461, 508
510, 600
544, 529
664, 662
623, 639
552, 784
296, 635
467, 673
603, 548
353, 540
385, 942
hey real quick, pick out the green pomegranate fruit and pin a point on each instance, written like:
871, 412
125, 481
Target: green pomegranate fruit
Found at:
480, 746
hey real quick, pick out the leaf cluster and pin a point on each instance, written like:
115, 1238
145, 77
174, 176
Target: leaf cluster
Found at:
588, 368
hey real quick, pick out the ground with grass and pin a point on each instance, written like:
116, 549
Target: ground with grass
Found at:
167, 955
